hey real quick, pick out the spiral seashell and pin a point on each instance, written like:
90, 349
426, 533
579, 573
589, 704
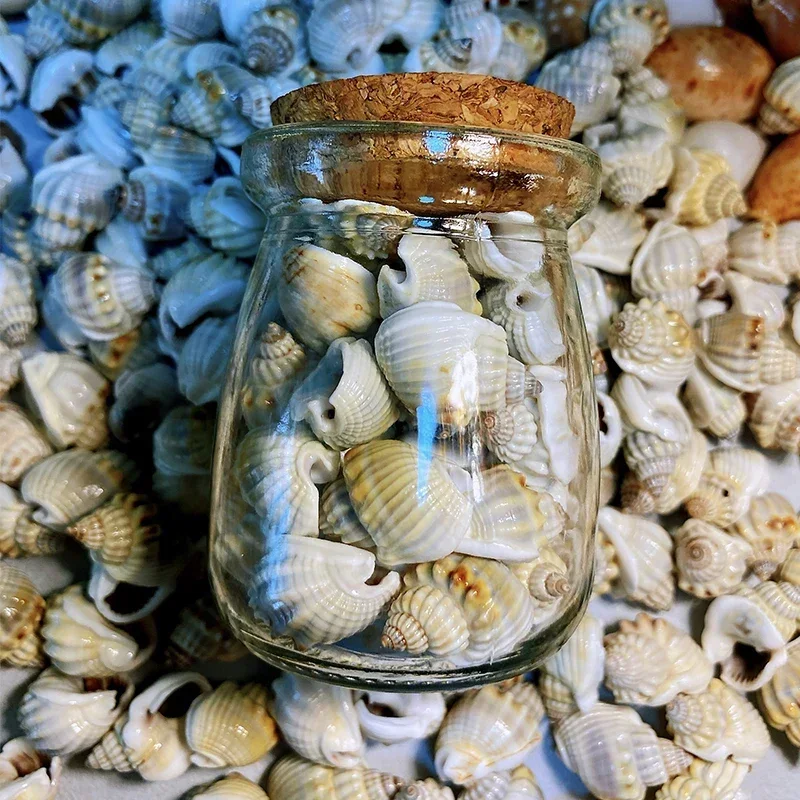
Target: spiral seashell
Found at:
125, 50
515, 784
204, 358
467, 19
273, 41
371, 230
790, 569
712, 405
720, 779
427, 789
389, 717
146, 106
157, 200
718, 723
702, 188
175, 149
16, 176
10, 362
18, 313
633, 29
28, 774
294, 777
189, 20
444, 52
547, 579
780, 111
22, 610
649, 661
318, 721
766, 251
775, 417
230, 727
338, 520
510, 433
524, 44
19, 534
651, 460
615, 753
209, 55
492, 728
184, 441
607, 238
708, 561
757, 299
22, 446
435, 614
778, 697
232, 786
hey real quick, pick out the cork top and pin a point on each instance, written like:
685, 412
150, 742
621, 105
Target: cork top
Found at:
435, 98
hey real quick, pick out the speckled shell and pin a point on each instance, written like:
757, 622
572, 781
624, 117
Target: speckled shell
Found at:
18, 313
720, 780
390, 717
779, 698
516, 784
491, 729
21, 444
649, 661
204, 358
607, 238
766, 251
712, 405
293, 777
775, 417
718, 723
22, 610
28, 774
232, 786
318, 721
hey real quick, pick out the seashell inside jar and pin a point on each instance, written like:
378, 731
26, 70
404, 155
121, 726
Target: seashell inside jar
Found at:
406, 433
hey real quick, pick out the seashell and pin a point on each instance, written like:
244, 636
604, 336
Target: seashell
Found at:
511, 432
149, 738
209, 55
66, 486
189, 155
110, 93
28, 774
317, 589
712, 405
766, 251
21, 444
778, 697
184, 441
426, 789
774, 417
491, 729
632, 29
204, 358
527, 310
15, 180
294, 777
318, 721
720, 779
324, 296
444, 52
273, 42
652, 461
189, 20
524, 44
743, 352
70, 396
101, 131
389, 717
566, 25
18, 304
608, 484
63, 714
606, 238
757, 299
780, 111
718, 723
230, 727
232, 786
731, 477
22, 610
516, 784
338, 520
708, 561
649, 661
121, 241
652, 342
636, 163
435, 614
597, 303
547, 579
80, 642
147, 104
644, 554
615, 753
10, 362
467, 19
368, 229
19, 535
456, 345
15, 69
605, 574
157, 200
790, 569
125, 50
702, 188
663, 115
713, 241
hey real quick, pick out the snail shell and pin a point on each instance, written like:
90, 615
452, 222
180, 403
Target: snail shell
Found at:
18, 313
515, 784
125, 50
22, 611
779, 697
232, 786
338, 520
780, 111
774, 417
632, 29
175, 149
19, 534
204, 358
28, 774
184, 441
390, 717
10, 362
445, 52
713, 406
157, 200
22, 446
766, 251
721, 779
189, 20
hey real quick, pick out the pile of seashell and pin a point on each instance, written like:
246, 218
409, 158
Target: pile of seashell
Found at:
126, 254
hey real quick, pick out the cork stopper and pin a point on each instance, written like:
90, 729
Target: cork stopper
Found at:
435, 98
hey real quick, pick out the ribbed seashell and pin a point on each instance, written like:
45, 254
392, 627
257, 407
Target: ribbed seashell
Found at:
79, 641
757, 299
19, 534
189, 155
273, 41
444, 52
110, 94
427, 353
779, 698
718, 723
318, 721
232, 786
719, 779
157, 200
702, 188
21, 618
435, 614
69, 395
128, 592
209, 55
780, 111
516, 784
510, 433
147, 105
16, 69
88, 23
775, 417
712, 405
66, 486
547, 580
636, 163
64, 714
27, 774
204, 358
324, 296
616, 754
189, 20
390, 717
649, 661
652, 461
597, 303
17, 302
125, 50
369, 229
15, 180
731, 477
121, 241
644, 554
10, 363
607, 237
653, 342
317, 590
632, 29
745, 353
149, 738
524, 44
468, 19
101, 131
426, 789
338, 520
184, 441
293, 777
491, 729
766, 251
790, 569
21, 444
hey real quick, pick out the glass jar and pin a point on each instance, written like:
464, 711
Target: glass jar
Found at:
406, 469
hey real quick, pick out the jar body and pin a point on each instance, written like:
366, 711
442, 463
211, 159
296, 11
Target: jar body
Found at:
406, 470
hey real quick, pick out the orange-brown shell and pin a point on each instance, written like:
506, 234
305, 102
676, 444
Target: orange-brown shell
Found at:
775, 190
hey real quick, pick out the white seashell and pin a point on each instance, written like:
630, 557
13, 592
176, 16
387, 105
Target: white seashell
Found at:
189, 20
444, 52
369, 229
338, 519
317, 591
778, 698
663, 114
232, 786
22, 446
718, 723
389, 717
204, 358
774, 417
649, 661
101, 131
427, 789
125, 50
720, 780
510, 433
780, 111
491, 729
14, 175
633, 29
27, 774
209, 55
524, 44
547, 580
463, 364
467, 19
121, 241
607, 237
23, 607
10, 362
325, 296
318, 721
176, 149
756, 298
642, 85
713, 406
273, 41
766, 251
63, 714
124, 602
518, 784
597, 303
80, 642
18, 314
157, 199
615, 753
15, 69
610, 428
713, 241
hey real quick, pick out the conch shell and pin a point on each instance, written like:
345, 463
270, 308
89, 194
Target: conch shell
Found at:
779, 698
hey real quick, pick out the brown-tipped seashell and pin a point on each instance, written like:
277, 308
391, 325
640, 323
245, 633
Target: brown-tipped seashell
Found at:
766, 251
717, 779
28, 774
775, 417
774, 194
21, 444
21, 611
779, 698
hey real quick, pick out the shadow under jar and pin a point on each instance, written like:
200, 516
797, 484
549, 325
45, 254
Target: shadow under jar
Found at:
406, 470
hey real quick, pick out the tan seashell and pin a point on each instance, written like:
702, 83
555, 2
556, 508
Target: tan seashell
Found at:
606, 570
293, 777
709, 562
718, 723
19, 534
720, 780
390, 717
779, 698
427, 789
516, 784
435, 614
713, 406
649, 661
511, 432
26, 774
338, 520
10, 362
133, 350
232, 786
22, 610
616, 754
547, 580
780, 111
491, 729
18, 313
790, 569
766, 251
21, 444
775, 417
633, 29
771, 195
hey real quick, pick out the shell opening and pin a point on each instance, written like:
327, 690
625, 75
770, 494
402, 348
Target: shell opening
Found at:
177, 704
526, 301
128, 599
64, 115
380, 710
746, 663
